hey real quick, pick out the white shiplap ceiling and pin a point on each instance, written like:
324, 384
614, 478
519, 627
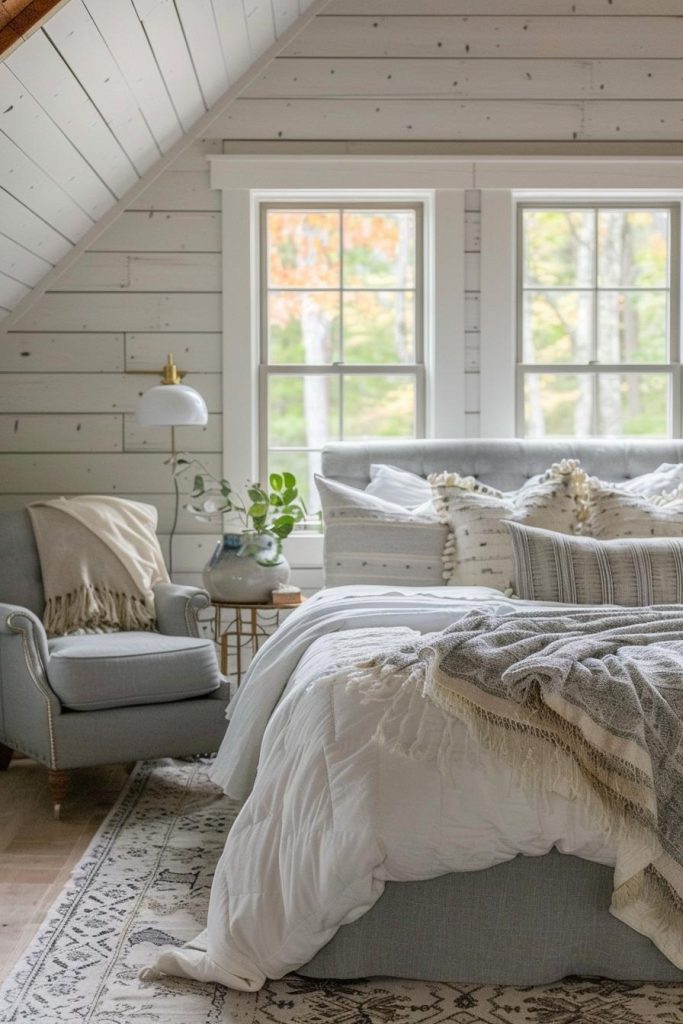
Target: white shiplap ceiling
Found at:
95, 97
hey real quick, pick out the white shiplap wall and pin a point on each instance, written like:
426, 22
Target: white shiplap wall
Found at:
562, 73
149, 285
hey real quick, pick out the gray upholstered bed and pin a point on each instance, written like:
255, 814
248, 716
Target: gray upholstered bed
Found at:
533, 919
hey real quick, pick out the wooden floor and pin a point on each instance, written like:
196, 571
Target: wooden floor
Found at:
37, 853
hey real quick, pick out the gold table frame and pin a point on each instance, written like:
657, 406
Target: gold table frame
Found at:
247, 626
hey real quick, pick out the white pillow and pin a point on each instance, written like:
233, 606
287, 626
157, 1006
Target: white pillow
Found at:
370, 540
478, 551
398, 485
666, 478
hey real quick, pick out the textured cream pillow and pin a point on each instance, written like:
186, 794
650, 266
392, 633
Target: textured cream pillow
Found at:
615, 512
478, 551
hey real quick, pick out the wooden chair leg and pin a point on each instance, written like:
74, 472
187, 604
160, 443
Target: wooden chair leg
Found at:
58, 782
5, 757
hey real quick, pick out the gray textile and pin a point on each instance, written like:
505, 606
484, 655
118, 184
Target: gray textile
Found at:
503, 463
526, 922
121, 669
549, 566
594, 699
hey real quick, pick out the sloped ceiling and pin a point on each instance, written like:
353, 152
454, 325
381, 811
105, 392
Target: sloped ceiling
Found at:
94, 97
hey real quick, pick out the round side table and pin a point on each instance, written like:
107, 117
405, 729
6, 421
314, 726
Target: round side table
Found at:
239, 628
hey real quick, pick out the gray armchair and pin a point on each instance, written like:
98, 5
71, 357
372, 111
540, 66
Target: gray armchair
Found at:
95, 699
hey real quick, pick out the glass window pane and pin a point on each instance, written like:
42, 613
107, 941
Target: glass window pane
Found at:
379, 248
557, 326
633, 404
559, 248
633, 248
633, 327
303, 327
303, 410
303, 248
379, 327
304, 465
557, 404
379, 405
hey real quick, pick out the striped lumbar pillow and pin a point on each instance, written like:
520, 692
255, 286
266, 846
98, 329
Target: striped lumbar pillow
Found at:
634, 572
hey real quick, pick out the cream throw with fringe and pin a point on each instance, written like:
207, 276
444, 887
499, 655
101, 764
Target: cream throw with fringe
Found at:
100, 559
586, 703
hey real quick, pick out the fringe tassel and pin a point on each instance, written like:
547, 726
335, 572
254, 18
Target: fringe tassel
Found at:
91, 609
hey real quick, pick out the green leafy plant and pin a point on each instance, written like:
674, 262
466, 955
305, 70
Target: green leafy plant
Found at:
273, 510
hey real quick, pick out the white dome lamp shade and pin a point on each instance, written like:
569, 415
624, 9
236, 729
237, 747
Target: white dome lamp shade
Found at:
171, 403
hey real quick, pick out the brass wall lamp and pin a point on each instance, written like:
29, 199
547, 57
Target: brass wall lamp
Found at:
171, 403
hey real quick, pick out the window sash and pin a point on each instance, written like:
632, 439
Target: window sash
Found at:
672, 367
416, 369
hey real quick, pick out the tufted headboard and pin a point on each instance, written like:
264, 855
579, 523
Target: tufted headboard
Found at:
504, 464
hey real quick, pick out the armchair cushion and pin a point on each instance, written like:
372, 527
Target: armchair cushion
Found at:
120, 669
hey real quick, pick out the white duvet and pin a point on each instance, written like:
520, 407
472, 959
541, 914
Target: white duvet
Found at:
333, 814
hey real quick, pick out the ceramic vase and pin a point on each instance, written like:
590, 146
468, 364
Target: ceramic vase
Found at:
245, 568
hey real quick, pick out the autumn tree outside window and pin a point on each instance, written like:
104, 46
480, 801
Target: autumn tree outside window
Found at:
341, 330
597, 320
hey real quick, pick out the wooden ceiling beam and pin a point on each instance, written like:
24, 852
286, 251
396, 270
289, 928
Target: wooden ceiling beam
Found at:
20, 17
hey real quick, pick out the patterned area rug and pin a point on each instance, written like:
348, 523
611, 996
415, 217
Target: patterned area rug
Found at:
145, 882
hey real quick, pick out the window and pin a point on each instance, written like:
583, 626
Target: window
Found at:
597, 320
341, 330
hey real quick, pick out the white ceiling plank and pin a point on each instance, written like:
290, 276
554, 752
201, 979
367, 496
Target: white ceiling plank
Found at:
233, 36
19, 263
25, 122
201, 32
123, 33
28, 183
22, 224
260, 25
11, 291
48, 78
164, 31
76, 37
97, 71
285, 13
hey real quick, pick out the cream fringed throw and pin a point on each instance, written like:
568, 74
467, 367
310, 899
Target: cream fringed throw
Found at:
100, 559
588, 704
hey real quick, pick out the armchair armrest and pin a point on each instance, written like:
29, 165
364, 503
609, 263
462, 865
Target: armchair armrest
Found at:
17, 620
29, 705
177, 608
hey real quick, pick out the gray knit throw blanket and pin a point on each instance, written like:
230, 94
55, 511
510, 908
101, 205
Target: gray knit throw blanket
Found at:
589, 703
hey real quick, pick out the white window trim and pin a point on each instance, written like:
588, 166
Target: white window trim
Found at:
246, 182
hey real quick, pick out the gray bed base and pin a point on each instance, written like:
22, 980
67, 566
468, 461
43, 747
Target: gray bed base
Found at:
532, 920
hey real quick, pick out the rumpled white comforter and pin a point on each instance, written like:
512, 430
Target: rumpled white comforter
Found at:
333, 814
